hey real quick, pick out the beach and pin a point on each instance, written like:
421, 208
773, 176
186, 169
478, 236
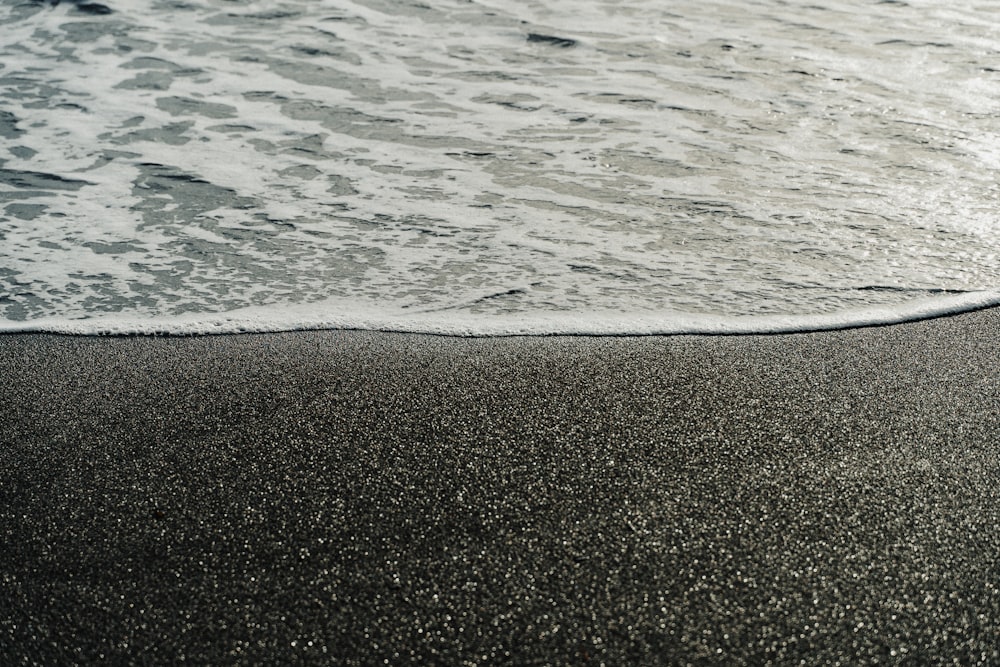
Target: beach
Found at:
351, 497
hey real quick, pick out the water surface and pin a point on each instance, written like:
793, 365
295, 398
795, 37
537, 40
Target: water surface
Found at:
471, 161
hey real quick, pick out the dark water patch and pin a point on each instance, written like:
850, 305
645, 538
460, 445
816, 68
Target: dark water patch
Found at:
424, 231
644, 102
18, 303
91, 31
311, 74
341, 186
41, 180
551, 40
22, 11
265, 219
311, 147
129, 43
517, 107
117, 248
179, 5
8, 126
313, 52
619, 98
63, 106
25, 211
350, 122
906, 42
517, 102
187, 195
147, 81
420, 225
25, 88
484, 75
22, 152
233, 19
171, 134
337, 54
476, 154
267, 16
166, 172
21, 195
95, 8
183, 106
921, 290
151, 63
231, 128
305, 172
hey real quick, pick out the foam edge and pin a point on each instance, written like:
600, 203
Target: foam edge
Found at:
333, 316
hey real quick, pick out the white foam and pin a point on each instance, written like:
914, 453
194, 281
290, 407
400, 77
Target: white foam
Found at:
334, 316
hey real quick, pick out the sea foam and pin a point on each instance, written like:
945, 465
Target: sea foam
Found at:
320, 316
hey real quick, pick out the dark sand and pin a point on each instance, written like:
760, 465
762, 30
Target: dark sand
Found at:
352, 497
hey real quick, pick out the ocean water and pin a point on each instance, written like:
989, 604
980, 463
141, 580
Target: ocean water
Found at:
478, 166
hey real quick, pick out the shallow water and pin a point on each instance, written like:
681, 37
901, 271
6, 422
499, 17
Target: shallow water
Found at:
450, 161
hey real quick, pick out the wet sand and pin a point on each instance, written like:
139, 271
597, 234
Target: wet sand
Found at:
357, 497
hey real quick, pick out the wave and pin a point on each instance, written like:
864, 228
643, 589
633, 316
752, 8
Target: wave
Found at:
564, 157
331, 315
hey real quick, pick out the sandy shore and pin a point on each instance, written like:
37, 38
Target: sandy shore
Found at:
354, 497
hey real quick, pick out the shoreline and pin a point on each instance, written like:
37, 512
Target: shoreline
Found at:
333, 316
362, 496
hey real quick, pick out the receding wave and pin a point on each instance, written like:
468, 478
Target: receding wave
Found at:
476, 166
